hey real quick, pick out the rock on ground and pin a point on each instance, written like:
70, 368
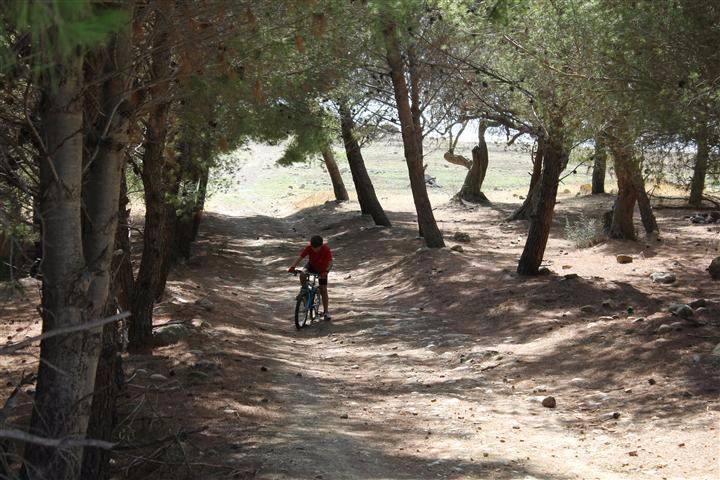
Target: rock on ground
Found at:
714, 268
663, 277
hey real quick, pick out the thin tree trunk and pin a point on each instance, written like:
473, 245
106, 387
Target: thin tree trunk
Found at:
414, 74
471, 190
646, 212
70, 292
413, 155
554, 159
122, 268
599, 166
369, 203
341, 194
532, 197
697, 187
621, 225
156, 183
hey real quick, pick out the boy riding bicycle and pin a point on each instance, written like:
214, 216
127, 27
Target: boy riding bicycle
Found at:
319, 262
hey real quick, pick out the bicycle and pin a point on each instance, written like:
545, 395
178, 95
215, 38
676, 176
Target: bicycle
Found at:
308, 300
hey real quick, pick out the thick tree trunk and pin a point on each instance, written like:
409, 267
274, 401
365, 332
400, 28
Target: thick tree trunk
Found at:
157, 177
104, 196
697, 187
341, 194
471, 190
554, 159
369, 203
621, 225
528, 205
71, 292
599, 166
413, 155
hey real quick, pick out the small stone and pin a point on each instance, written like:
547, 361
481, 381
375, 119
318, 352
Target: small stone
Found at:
205, 303
663, 329
457, 248
571, 276
663, 277
169, 334
624, 259
714, 269
544, 271
344, 415
677, 326
651, 381
263, 368
158, 377
587, 309
699, 303
549, 402
638, 320
681, 310
634, 453
461, 237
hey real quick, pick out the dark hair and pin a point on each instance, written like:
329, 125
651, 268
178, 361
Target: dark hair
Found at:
316, 241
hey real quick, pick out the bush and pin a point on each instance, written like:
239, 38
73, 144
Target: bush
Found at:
584, 232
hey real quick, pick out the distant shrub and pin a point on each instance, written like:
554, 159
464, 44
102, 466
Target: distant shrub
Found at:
585, 231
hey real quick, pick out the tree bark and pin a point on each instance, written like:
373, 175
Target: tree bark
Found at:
471, 190
599, 166
104, 196
341, 194
71, 292
195, 163
528, 206
369, 203
621, 225
554, 159
156, 177
697, 185
646, 212
413, 155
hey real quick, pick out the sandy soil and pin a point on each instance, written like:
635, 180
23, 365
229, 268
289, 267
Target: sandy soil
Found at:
435, 363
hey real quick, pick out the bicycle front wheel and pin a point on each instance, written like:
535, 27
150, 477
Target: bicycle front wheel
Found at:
301, 311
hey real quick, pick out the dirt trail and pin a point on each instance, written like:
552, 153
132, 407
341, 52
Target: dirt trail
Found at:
435, 363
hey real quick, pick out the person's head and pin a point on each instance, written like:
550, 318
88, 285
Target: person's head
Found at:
316, 242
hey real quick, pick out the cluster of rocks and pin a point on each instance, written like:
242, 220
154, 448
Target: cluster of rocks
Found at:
705, 218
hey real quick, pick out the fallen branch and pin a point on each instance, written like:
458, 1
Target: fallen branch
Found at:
61, 443
13, 347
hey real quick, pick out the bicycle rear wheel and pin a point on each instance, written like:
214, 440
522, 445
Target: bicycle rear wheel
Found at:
301, 311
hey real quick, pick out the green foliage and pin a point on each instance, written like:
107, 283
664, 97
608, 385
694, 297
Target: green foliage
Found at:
71, 24
585, 231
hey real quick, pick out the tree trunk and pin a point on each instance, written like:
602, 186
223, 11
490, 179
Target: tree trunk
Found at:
471, 190
532, 197
369, 203
646, 212
599, 166
621, 224
124, 276
413, 155
104, 196
70, 291
156, 173
697, 186
341, 194
193, 187
554, 158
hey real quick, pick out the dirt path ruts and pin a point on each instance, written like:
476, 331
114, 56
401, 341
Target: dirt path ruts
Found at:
403, 385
